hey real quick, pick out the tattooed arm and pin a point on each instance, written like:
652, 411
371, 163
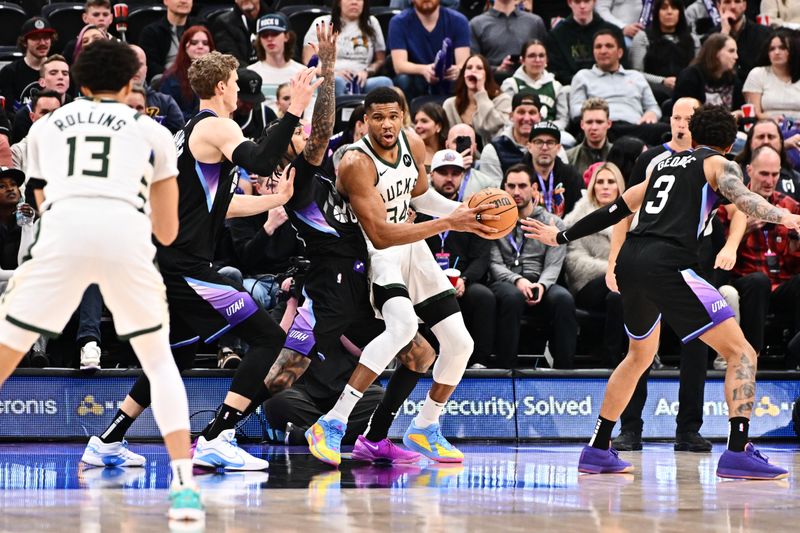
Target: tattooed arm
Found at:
729, 181
286, 369
324, 109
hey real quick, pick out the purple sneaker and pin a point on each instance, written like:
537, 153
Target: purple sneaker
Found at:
384, 451
596, 461
749, 464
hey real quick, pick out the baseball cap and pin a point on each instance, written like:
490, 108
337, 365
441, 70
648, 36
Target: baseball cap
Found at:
547, 128
273, 22
447, 158
14, 173
526, 98
36, 25
250, 86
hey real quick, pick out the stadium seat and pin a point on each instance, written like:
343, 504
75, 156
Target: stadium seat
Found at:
140, 17
300, 19
384, 15
280, 4
212, 11
344, 108
378, 3
11, 18
65, 17
419, 101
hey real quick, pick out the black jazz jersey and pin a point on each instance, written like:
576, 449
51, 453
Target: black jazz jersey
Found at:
323, 220
206, 190
678, 202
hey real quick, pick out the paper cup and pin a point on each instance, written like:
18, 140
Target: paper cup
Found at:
763, 20
452, 274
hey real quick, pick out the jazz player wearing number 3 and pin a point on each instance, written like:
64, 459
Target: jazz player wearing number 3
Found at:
100, 161
656, 271
381, 176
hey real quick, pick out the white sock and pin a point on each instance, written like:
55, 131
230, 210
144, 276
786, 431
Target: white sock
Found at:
181, 473
429, 414
344, 406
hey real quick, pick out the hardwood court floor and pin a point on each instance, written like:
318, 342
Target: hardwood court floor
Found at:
500, 487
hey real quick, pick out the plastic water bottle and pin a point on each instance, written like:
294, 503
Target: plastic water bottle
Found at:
22, 218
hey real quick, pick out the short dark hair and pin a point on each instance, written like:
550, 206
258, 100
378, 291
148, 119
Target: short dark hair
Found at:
49, 93
518, 167
382, 95
713, 125
105, 66
96, 3
613, 33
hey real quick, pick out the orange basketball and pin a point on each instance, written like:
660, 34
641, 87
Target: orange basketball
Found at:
504, 207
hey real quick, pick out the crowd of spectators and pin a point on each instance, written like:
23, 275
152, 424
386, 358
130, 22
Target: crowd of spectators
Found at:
553, 109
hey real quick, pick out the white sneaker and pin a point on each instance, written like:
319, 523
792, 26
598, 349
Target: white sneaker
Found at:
223, 452
99, 453
720, 363
90, 356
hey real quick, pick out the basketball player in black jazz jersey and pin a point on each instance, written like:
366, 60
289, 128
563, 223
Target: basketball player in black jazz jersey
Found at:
202, 304
656, 272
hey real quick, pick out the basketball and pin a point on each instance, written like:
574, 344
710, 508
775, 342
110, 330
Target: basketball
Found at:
504, 207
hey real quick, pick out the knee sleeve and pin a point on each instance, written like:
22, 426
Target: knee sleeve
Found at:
401, 326
455, 348
170, 407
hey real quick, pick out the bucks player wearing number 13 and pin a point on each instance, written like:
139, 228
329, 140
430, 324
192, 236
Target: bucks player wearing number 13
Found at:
656, 272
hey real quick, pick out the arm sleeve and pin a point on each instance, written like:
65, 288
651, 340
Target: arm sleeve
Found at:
595, 221
434, 204
261, 157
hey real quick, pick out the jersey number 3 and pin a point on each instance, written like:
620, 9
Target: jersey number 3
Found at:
662, 186
96, 149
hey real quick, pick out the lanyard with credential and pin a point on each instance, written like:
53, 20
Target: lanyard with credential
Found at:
443, 236
517, 248
548, 198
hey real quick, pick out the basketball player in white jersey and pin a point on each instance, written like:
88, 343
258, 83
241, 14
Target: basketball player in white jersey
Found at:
382, 175
101, 160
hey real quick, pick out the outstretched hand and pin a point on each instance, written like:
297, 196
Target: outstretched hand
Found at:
325, 47
544, 233
301, 88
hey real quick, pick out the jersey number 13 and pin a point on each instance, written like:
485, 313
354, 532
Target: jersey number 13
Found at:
92, 154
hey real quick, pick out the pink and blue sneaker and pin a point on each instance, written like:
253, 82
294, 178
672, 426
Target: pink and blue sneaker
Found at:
749, 464
325, 440
431, 443
597, 461
383, 451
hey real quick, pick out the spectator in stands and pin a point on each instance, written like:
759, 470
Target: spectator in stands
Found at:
665, 48
773, 87
251, 114
235, 32
407, 124
275, 49
88, 34
711, 78
18, 77
471, 252
595, 145
195, 42
524, 274
415, 37
623, 14
478, 100
570, 43
53, 76
560, 186
767, 270
404, 4
781, 12
160, 107
137, 99
283, 97
624, 153
766, 132
500, 32
510, 146
750, 37
360, 48
632, 107
474, 179
160, 40
587, 261
12, 235
43, 103
533, 76
96, 13
355, 129
430, 123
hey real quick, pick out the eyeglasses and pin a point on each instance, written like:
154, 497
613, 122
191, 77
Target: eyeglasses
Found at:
541, 142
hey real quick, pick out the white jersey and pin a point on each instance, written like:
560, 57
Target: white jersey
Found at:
395, 181
99, 149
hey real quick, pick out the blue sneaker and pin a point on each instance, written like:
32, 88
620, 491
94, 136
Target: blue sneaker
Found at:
223, 452
430, 443
749, 464
325, 440
596, 461
99, 453
186, 505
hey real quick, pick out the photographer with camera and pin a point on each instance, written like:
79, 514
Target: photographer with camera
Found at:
767, 270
